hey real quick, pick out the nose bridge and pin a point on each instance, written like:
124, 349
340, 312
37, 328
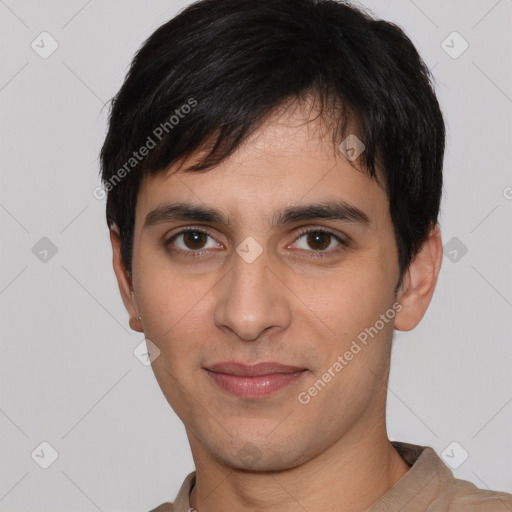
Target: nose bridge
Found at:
251, 298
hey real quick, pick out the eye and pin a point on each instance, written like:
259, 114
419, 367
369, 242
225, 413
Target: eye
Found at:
191, 242
320, 241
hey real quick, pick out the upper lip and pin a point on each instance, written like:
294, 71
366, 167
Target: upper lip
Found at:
252, 370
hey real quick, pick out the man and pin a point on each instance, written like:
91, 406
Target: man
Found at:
274, 175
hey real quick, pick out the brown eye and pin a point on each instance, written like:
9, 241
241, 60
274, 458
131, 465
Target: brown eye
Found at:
319, 243
318, 240
191, 242
194, 239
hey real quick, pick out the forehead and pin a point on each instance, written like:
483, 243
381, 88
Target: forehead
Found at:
289, 160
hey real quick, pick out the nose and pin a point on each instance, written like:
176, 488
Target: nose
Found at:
252, 299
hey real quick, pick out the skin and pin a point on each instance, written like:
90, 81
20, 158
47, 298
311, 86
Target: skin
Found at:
277, 453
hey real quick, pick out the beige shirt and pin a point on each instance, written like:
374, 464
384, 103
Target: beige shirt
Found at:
428, 486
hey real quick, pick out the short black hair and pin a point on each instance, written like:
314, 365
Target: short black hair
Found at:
212, 75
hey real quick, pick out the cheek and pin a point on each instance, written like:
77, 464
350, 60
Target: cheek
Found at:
348, 299
169, 299
347, 324
175, 321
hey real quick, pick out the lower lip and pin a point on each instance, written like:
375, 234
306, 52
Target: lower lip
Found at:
254, 387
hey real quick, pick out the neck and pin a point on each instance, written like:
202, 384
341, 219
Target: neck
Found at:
352, 474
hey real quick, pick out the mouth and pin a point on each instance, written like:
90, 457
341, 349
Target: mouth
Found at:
254, 381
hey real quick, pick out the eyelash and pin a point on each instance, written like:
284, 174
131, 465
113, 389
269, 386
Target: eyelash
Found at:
312, 254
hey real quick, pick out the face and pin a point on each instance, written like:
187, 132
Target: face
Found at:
269, 281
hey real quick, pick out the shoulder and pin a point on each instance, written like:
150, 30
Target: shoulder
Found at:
431, 485
467, 496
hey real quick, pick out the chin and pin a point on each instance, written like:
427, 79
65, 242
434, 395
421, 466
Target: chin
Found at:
262, 457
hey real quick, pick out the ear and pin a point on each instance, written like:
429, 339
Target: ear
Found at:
124, 281
419, 282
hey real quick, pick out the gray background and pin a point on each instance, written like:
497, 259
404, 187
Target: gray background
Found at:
68, 375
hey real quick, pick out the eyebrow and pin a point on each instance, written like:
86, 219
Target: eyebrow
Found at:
332, 210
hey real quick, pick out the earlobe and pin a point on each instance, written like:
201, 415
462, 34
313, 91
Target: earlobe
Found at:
124, 282
136, 324
419, 282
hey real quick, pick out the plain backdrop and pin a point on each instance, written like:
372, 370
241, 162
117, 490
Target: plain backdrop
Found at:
68, 374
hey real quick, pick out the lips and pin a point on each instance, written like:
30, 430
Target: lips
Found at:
246, 370
253, 381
